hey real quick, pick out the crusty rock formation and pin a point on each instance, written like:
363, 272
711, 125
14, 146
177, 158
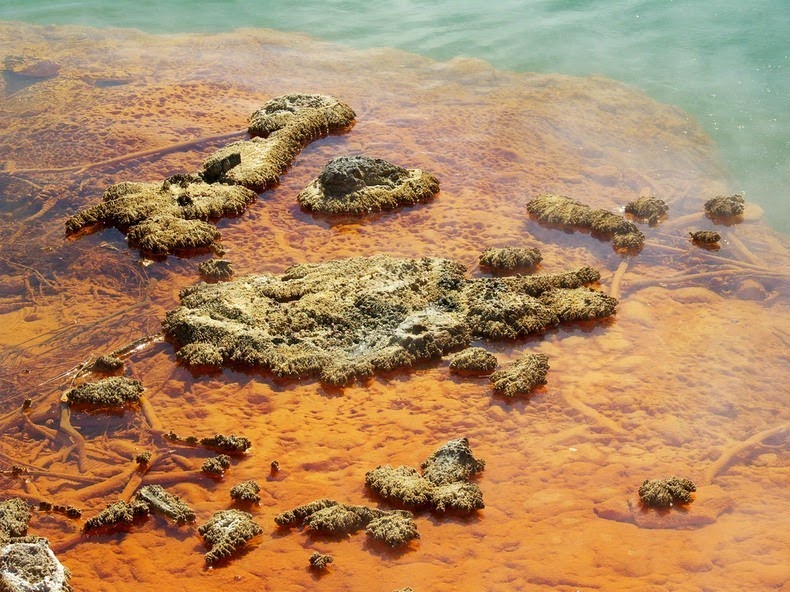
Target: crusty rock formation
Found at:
510, 258
115, 391
520, 377
227, 532
473, 361
725, 206
27, 564
647, 208
663, 493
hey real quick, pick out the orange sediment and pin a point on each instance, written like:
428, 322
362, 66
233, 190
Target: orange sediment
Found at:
685, 379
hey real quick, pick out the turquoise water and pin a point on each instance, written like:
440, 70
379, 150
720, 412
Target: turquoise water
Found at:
724, 62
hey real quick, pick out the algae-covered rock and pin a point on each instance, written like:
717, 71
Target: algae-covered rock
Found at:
705, 237
510, 258
579, 304
14, 517
361, 184
663, 493
115, 391
107, 364
165, 503
231, 444
246, 491
164, 217
227, 532
28, 565
648, 208
118, 513
216, 465
725, 206
443, 485
290, 122
521, 376
349, 318
473, 361
558, 209
395, 528
297, 516
319, 561
216, 269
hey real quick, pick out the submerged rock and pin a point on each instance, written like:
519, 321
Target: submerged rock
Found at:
227, 532
510, 258
648, 208
107, 364
361, 184
442, 486
164, 217
521, 376
115, 391
663, 493
216, 269
118, 513
705, 237
558, 209
165, 503
349, 318
314, 114
28, 565
725, 206
473, 361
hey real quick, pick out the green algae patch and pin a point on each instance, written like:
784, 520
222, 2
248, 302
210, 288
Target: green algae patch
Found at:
473, 361
442, 486
227, 532
361, 184
569, 213
165, 217
349, 318
520, 377
510, 258
115, 391
663, 493
27, 564
648, 209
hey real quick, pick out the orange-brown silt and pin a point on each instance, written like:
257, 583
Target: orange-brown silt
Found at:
686, 379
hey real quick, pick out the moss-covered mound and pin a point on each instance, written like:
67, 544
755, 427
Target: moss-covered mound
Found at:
227, 532
647, 208
361, 184
14, 517
725, 206
216, 270
442, 486
473, 361
115, 391
663, 493
165, 503
561, 210
705, 237
520, 377
116, 514
510, 258
165, 217
246, 492
349, 318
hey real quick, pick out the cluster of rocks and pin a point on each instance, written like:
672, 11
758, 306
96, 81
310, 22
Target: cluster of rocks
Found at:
663, 493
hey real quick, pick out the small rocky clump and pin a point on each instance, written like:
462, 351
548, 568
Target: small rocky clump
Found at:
521, 376
143, 459
227, 532
319, 561
705, 237
216, 270
14, 517
27, 564
361, 184
216, 465
118, 513
231, 444
473, 361
725, 206
510, 258
663, 493
349, 318
650, 209
443, 484
115, 391
165, 503
395, 527
107, 364
246, 492
558, 209
68, 511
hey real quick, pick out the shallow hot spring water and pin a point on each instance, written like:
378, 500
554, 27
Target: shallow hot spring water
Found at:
687, 378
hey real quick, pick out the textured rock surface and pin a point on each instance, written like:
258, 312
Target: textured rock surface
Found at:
115, 391
28, 565
648, 208
349, 318
165, 503
520, 377
725, 206
510, 258
361, 184
227, 532
473, 361
14, 517
117, 514
663, 493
